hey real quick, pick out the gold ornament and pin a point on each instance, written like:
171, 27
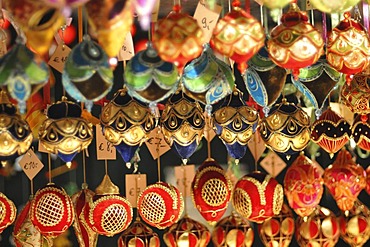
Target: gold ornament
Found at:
139, 234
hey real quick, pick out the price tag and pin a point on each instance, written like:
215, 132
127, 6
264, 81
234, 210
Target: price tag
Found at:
209, 132
256, 145
31, 164
135, 183
309, 5
207, 19
260, 2
184, 176
104, 149
156, 140
41, 148
155, 11
343, 111
59, 57
127, 49
273, 164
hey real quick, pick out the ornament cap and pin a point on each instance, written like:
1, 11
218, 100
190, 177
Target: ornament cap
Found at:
107, 187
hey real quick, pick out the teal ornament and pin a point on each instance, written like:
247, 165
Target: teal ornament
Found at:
23, 72
87, 74
207, 78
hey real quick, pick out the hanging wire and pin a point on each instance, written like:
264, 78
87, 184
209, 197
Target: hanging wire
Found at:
185, 190
106, 166
31, 185
208, 125
49, 164
80, 24
158, 156
84, 167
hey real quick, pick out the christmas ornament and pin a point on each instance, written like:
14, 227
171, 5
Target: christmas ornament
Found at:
187, 232
333, 6
235, 123
361, 131
126, 123
148, 78
65, 132
35, 115
238, 35
321, 228
258, 197
110, 20
108, 213
139, 234
15, 134
160, 205
348, 47
345, 179
331, 132
8, 212
178, 38
279, 230
183, 124
278, 4
233, 230
51, 211
303, 186
295, 43
65, 3
87, 75
211, 191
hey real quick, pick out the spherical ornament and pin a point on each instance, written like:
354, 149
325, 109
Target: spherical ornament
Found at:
238, 35
258, 197
233, 230
331, 132
295, 43
139, 234
150, 79
361, 131
286, 129
178, 38
211, 191
278, 4
187, 232
51, 211
355, 225
279, 230
126, 123
8, 212
235, 123
303, 186
65, 132
183, 124
108, 213
321, 228
345, 179
160, 205
333, 6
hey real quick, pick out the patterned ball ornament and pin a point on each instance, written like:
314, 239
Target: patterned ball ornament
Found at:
139, 234
333, 6
258, 197
8, 212
361, 132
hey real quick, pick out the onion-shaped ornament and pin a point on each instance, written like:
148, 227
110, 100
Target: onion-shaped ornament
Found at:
139, 234
295, 43
345, 179
65, 132
235, 123
8, 212
321, 228
160, 205
126, 123
361, 131
258, 197
187, 232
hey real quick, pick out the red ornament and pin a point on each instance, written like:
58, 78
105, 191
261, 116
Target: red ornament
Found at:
331, 132
160, 205
8, 212
211, 191
361, 132
345, 179
258, 197
139, 234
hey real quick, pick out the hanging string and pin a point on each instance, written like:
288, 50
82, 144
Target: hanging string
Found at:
185, 191
84, 167
31, 185
158, 156
255, 152
136, 186
208, 125
49, 164
324, 28
80, 24
106, 167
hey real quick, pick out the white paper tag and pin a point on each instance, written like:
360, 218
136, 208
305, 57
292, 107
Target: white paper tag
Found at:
127, 50
31, 164
207, 19
104, 149
135, 184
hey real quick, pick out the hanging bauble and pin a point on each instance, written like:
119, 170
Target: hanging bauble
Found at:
321, 228
178, 38
110, 20
85, 236
348, 47
345, 179
211, 191
65, 3
331, 132
207, 79
51, 211
8, 212
87, 75
235, 123
108, 213
187, 232
333, 6
258, 197
295, 43
286, 129
65, 132
277, 4
303, 186
355, 225
361, 131
238, 35
139, 234
279, 230
183, 124
160, 205
15, 133
150, 79
126, 123
23, 72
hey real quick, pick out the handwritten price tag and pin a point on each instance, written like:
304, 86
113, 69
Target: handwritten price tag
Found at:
31, 164
135, 183
184, 176
127, 50
104, 149
309, 5
59, 57
256, 145
156, 140
207, 19
273, 164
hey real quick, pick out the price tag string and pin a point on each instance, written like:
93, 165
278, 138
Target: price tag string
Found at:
255, 151
49, 164
106, 166
185, 189
84, 168
158, 156
208, 126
